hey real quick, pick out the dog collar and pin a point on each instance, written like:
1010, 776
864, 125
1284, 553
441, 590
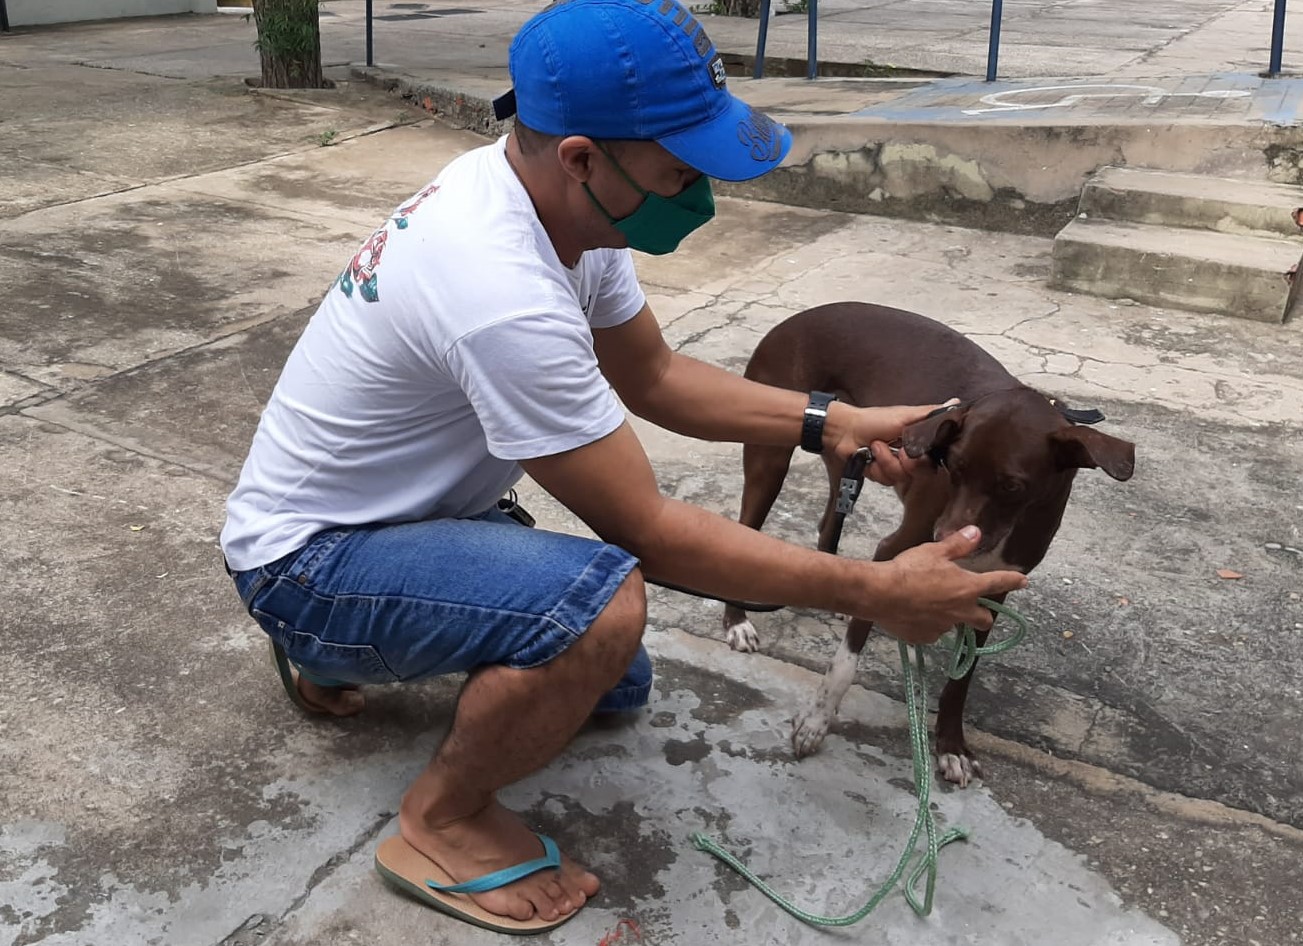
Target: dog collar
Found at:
1076, 416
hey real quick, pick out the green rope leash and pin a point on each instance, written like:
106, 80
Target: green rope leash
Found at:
964, 650
963, 654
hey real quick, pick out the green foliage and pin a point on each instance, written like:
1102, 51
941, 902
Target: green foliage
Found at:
745, 8
748, 8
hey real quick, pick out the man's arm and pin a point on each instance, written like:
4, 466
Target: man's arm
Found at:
703, 401
917, 596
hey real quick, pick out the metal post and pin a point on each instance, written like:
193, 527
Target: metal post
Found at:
1277, 39
370, 48
4, 18
812, 41
758, 70
993, 51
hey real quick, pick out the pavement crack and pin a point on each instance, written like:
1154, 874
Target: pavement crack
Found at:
131, 447
39, 399
1204, 373
247, 932
107, 68
320, 875
52, 396
1035, 318
1090, 729
699, 335
178, 178
1162, 47
729, 318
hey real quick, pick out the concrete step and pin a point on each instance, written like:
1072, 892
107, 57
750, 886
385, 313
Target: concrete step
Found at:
1235, 275
1165, 198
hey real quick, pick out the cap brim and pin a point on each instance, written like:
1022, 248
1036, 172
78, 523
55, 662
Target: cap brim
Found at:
737, 145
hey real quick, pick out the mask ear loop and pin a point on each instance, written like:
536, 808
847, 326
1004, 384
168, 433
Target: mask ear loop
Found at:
623, 173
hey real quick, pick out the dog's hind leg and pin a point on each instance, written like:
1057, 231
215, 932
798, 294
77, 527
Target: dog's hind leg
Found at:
763, 469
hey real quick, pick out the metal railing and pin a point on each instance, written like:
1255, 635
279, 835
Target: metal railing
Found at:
1277, 39
812, 38
370, 35
993, 47
811, 42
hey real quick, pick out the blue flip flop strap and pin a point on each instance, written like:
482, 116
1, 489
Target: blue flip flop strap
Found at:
500, 878
328, 683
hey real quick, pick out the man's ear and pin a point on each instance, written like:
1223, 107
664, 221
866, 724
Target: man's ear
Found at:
577, 154
1084, 448
934, 433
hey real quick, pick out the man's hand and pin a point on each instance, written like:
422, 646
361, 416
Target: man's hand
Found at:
928, 593
876, 428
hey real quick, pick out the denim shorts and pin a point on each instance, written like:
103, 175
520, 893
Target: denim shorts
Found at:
395, 603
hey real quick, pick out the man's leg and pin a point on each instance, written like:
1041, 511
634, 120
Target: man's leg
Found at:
510, 723
546, 624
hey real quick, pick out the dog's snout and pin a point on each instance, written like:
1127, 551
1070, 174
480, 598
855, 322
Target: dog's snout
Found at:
940, 532
955, 518
984, 545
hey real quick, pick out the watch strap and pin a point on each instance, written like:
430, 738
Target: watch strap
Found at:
816, 413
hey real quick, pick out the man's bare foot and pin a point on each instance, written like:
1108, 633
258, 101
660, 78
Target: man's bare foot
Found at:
492, 839
329, 701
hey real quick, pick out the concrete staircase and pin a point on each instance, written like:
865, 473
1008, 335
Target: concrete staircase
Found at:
1186, 241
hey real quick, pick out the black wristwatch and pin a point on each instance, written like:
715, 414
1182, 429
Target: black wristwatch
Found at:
816, 412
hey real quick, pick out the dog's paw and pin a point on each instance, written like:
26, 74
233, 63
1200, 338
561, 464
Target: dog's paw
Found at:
743, 637
959, 769
808, 732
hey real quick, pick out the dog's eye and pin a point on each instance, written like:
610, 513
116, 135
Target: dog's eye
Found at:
1011, 486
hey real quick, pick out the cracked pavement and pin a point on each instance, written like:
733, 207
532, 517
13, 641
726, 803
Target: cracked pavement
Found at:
1144, 780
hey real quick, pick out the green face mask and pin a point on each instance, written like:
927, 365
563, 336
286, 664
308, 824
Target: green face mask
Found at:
660, 223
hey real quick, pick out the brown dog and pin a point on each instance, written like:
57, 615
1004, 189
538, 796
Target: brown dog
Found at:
1004, 460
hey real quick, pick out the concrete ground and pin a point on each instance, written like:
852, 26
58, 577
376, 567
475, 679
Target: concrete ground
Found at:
165, 238
1173, 87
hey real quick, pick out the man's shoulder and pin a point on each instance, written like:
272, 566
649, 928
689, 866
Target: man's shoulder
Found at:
480, 208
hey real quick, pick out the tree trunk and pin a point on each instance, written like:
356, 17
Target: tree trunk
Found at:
289, 43
746, 8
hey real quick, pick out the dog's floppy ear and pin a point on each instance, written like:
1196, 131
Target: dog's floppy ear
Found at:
1082, 447
934, 433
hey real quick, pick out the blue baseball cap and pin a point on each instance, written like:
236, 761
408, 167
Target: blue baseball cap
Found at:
641, 70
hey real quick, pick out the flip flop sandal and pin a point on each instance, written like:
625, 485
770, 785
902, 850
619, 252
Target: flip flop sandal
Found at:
413, 873
289, 677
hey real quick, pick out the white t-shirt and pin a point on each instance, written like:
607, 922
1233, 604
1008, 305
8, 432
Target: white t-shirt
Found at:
454, 344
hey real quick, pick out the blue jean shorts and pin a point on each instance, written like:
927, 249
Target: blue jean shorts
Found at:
395, 603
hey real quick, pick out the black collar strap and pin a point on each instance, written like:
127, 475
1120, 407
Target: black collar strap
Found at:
1072, 414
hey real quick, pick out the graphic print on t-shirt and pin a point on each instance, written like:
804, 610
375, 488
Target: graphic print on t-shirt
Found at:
362, 269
